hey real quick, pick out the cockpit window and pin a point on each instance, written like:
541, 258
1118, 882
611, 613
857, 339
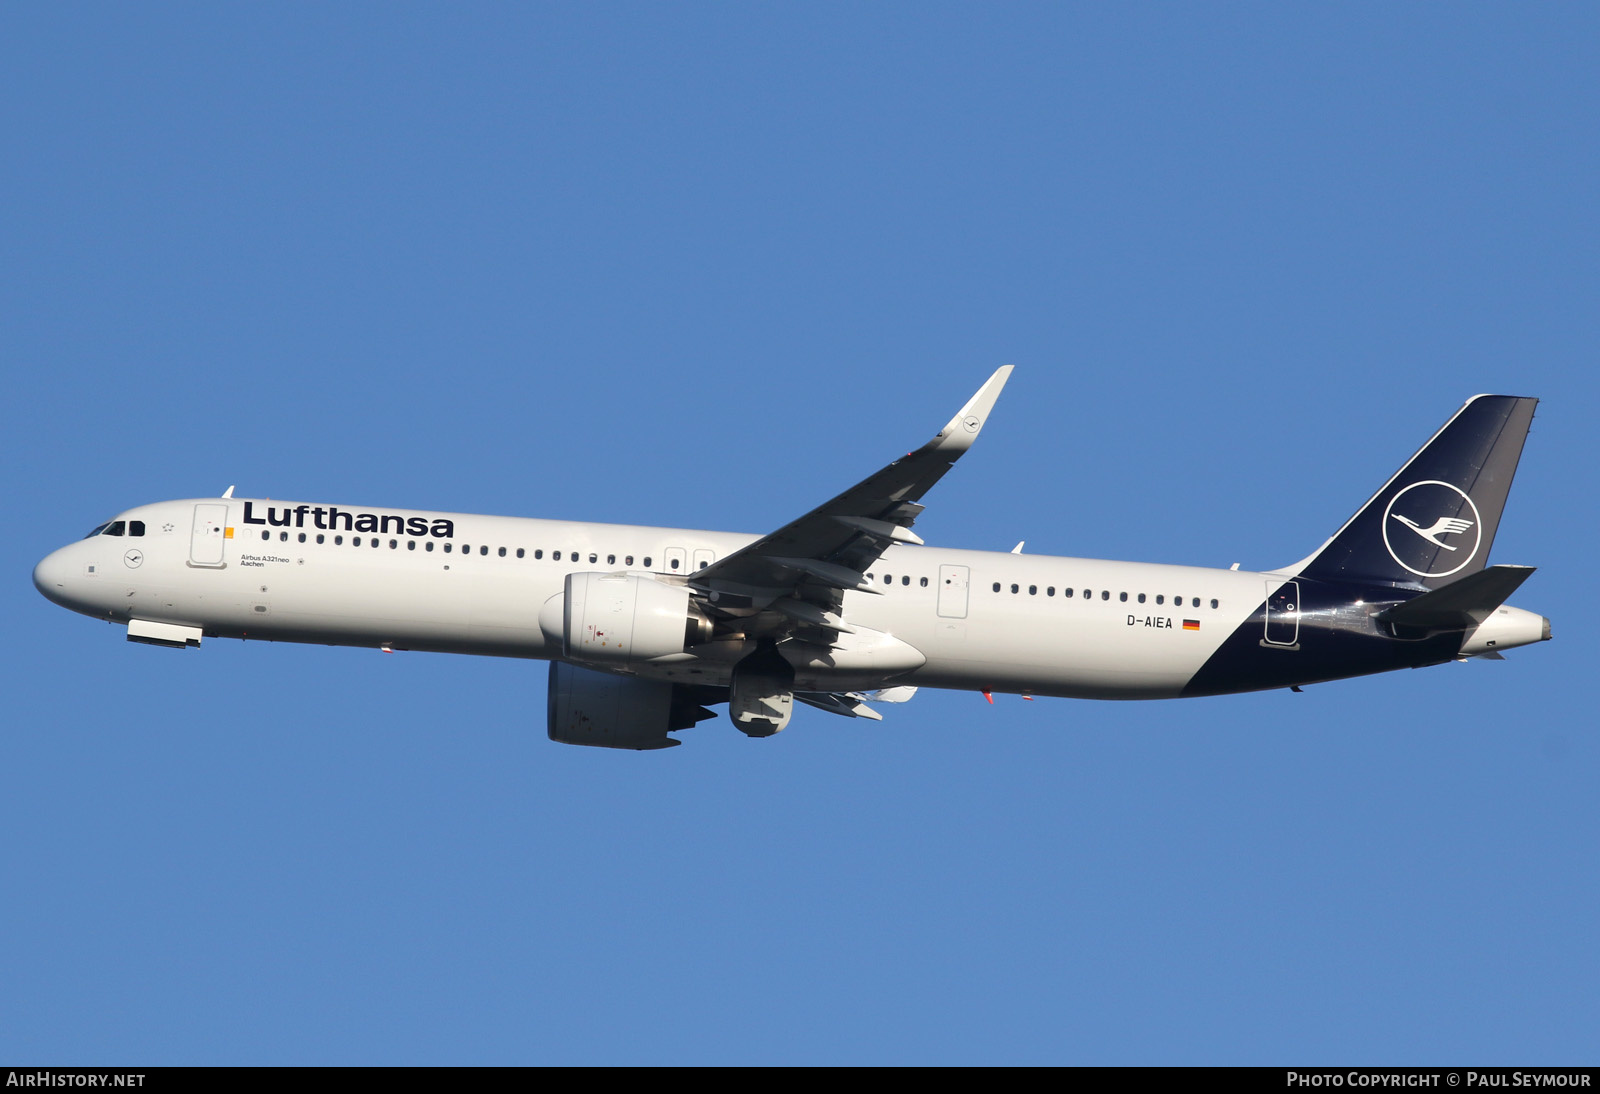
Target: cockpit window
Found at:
98, 529
115, 528
136, 527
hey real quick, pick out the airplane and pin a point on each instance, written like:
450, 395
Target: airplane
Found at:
843, 609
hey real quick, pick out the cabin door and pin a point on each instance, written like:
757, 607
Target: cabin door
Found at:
206, 539
953, 592
1283, 613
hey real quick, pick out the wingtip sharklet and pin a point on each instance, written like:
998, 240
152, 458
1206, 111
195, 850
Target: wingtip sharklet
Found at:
963, 429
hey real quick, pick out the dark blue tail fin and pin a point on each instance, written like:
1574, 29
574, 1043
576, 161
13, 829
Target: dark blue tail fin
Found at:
1433, 523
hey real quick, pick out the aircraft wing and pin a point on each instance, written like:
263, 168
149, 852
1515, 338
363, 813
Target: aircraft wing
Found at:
802, 569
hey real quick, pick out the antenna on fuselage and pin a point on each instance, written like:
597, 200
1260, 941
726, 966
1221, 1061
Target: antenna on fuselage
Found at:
228, 493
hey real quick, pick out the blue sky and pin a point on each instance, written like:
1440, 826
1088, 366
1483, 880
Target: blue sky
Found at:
706, 265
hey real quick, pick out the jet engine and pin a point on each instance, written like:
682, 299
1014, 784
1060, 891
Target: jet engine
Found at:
596, 708
614, 618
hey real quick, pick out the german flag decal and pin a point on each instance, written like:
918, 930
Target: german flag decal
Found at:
1191, 624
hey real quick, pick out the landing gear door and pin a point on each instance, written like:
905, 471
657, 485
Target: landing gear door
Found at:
1283, 613
953, 592
206, 540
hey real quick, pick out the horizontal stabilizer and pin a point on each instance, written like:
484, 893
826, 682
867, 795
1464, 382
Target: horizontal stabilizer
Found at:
1464, 603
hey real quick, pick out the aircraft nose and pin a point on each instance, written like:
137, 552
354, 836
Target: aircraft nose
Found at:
52, 577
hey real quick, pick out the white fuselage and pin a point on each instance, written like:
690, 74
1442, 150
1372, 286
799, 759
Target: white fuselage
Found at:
462, 583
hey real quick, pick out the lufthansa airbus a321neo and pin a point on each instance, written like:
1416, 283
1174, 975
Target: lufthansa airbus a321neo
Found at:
840, 609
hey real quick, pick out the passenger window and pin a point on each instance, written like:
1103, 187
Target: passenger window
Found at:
136, 528
503, 552
593, 558
284, 536
302, 537
1016, 589
674, 564
1160, 599
924, 583
1213, 603
485, 550
519, 552
538, 552
394, 545
646, 562
320, 538
265, 534
1122, 597
888, 579
628, 561
1066, 592
1196, 603
905, 580
338, 541
611, 560
1105, 594
1141, 598
996, 586
1088, 594
411, 545
374, 541
428, 546
1033, 590
447, 548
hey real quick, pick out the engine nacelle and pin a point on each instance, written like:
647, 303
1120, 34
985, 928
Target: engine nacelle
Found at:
620, 618
605, 711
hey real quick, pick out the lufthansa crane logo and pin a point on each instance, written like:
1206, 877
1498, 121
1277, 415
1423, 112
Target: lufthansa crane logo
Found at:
1438, 539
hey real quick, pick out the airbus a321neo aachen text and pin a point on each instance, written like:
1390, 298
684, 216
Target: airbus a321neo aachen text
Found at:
841, 609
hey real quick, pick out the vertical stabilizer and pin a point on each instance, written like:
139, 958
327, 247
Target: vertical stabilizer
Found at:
1434, 522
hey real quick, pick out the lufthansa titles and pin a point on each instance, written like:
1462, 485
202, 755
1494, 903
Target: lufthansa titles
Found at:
333, 519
